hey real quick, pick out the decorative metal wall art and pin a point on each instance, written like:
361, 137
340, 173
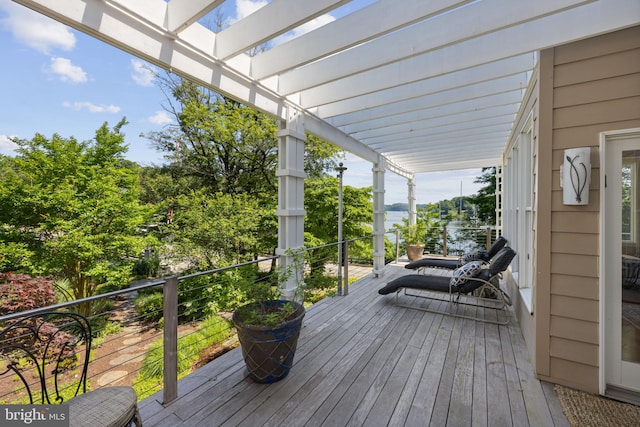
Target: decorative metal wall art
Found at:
575, 176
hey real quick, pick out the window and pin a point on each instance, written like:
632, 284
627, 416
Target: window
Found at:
629, 220
518, 210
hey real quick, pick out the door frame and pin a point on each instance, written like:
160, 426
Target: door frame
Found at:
606, 138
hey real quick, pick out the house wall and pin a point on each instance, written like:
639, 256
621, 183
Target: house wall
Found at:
584, 88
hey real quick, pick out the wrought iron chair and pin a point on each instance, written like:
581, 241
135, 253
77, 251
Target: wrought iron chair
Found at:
49, 354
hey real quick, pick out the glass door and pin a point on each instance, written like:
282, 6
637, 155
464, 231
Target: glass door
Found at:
622, 257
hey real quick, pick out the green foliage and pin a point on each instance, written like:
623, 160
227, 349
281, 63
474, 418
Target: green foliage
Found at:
149, 306
212, 331
321, 225
223, 291
319, 157
21, 292
321, 204
318, 287
263, 305
485, 200
147, 266
213, 230
75, 207
266, 313
426, 229
226, 146
103, 330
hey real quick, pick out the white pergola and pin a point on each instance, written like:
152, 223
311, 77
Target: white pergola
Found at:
410, 85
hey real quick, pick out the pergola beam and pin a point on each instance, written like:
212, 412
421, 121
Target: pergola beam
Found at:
351, 30
268, 22
518, 65
182, 13
465, 119
438, 47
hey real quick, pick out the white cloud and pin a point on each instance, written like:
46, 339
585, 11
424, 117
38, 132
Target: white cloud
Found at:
66, 71
161, 118
92, 108
143, 74
245, 8
6, 145
36, 30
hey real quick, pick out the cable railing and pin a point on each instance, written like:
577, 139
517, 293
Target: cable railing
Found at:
451, 240
156, 331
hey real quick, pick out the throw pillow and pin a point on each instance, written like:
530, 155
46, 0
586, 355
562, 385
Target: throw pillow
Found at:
462, 274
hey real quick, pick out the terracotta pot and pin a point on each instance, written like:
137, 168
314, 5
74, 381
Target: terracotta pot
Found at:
268, 350
414, 252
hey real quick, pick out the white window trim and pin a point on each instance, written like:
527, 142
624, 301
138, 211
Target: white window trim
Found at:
518, 203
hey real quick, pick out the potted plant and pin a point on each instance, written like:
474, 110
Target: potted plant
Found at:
414, 235
268, 327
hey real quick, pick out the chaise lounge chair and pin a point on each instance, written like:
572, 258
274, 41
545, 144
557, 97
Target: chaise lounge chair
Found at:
473, 278
453, 263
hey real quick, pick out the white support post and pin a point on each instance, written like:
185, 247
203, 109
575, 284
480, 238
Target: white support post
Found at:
291, 211
411, 184
378, 218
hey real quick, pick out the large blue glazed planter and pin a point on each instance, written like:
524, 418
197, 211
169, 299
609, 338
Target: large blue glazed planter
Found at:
268, 350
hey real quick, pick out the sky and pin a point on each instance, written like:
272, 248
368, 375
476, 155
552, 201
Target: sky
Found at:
56, 80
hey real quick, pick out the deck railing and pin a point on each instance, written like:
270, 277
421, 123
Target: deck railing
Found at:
451, 240
155, 331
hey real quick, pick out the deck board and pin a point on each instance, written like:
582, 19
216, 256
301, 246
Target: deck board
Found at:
363, 361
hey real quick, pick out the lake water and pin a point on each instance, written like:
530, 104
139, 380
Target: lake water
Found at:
391, 219
394, 217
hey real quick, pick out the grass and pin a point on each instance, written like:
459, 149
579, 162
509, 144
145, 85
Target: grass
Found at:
212, 331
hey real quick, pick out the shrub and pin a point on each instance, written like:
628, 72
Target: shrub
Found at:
202, 296
213, 330
21, 292
147, 266
149, 306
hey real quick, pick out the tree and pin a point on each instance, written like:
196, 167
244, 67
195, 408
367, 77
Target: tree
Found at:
321, 224
74, 207
213, 230
485, 200
229, 147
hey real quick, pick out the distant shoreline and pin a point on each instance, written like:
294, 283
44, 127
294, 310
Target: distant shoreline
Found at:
401, 207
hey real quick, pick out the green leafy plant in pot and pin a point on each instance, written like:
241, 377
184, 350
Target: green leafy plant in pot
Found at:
414, 235
268, 327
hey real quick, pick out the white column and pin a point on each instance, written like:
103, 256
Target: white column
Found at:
291, 175
378, 218
411, 184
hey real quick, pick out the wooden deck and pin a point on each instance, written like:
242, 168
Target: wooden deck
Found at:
362, 361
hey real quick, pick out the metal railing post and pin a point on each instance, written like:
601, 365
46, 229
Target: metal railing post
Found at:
170, 312
397, 245
339, 265
444, 240
488, 237
345, 251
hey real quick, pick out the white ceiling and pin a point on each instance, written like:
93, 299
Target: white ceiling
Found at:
429, 85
